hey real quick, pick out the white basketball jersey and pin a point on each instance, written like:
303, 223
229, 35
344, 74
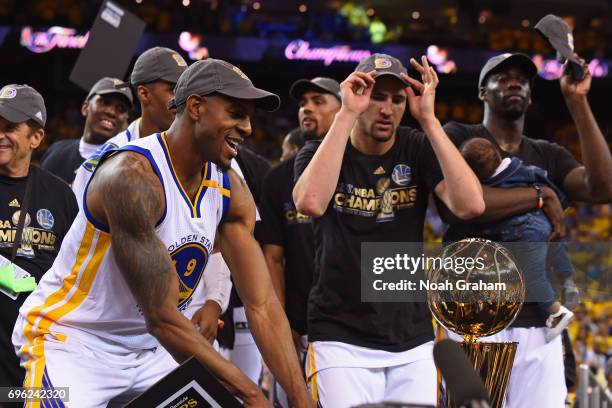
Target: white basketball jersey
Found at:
85, 295
85, 170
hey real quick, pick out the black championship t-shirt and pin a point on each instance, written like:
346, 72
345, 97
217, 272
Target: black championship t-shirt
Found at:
283, 225
51, 210
63, 159
553, 158
377, 199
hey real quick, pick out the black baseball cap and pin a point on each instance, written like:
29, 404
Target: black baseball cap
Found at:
324, 84
383, 64
557, 32
19, 103
217, 76
158, 63
517, 60
107, 85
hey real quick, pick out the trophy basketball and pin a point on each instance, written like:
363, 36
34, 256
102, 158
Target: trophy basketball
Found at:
476, 302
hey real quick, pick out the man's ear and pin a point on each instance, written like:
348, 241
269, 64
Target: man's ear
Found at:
482, 93
144, 95
194, 106
85, 109
36, 138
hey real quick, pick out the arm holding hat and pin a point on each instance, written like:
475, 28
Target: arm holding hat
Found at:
460, 189
593, 181
315, 187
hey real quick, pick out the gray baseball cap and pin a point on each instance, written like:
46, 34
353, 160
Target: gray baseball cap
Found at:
517, 60
19, 103
383, 64
213, 75
158, 63
107, 85
327, 85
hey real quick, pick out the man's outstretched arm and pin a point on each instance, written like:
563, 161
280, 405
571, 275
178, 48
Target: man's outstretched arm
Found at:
266, 317
127, 195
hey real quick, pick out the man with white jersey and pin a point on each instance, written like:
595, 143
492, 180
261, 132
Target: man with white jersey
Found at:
151, 212
153, 78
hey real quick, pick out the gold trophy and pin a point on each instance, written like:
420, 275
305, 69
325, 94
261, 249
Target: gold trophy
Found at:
479, 301
386, 202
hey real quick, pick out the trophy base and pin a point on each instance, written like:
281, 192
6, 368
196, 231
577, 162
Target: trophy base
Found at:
493, 363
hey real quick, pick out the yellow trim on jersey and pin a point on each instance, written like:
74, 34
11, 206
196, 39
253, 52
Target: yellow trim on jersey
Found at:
215, 184
312, 372
35, 368
178, 182
67, 284
34, 331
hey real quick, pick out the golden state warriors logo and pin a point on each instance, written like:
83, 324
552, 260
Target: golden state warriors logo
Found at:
382, 63
91, 163
402, 175
189, 261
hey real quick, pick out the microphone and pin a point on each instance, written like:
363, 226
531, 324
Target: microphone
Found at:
465, 386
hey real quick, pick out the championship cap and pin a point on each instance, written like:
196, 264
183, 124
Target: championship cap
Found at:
158, 63
107, 85
213, 75
19, 103
327, 85
383, 64
517, 60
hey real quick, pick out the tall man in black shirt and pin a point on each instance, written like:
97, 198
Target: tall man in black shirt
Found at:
286, 234
106, 113
505, 89
51, 208
368, 352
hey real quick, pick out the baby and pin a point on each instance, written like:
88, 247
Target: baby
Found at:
533, 227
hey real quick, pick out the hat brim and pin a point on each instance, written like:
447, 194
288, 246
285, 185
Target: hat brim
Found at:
13, 115
113, 91
263, 99
301, 86
520, 61
171, 78
379, 74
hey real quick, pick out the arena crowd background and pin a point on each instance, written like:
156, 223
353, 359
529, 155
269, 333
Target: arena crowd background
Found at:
279, 41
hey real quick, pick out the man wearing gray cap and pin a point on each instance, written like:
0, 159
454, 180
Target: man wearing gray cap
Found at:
49, 209
142, 242
106, 113
154, 76
504, 86
286, 234
369, 181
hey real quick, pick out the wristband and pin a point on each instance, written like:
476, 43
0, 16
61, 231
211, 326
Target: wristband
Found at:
539, 196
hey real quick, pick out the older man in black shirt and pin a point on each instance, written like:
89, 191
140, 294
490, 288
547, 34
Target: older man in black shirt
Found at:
50, 209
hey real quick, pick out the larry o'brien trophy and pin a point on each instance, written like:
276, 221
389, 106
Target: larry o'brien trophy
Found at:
475, 304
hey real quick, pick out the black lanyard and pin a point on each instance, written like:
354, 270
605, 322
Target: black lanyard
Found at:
22, 214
